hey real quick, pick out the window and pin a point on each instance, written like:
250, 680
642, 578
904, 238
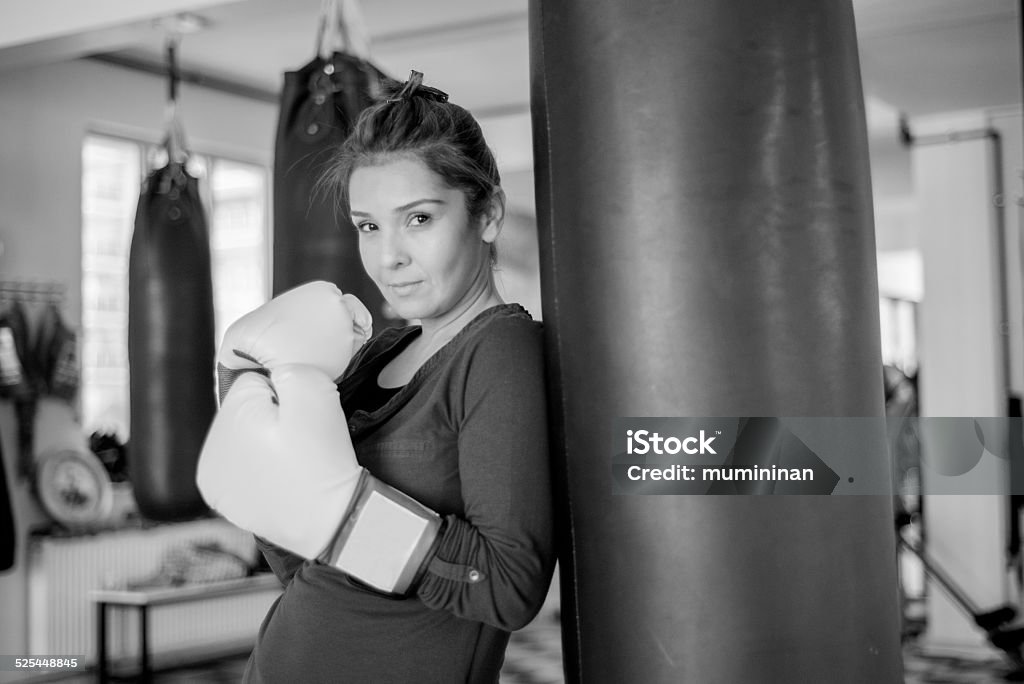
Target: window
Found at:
235, 195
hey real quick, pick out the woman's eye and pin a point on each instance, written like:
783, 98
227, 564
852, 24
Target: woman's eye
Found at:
366, 227
419, 219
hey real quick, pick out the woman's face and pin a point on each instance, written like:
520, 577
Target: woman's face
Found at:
417, 240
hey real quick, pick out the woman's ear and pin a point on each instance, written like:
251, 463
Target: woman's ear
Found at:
494, 216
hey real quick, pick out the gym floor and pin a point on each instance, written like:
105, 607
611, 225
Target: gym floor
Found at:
534, 657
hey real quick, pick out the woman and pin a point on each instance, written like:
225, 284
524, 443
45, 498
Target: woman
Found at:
450, 412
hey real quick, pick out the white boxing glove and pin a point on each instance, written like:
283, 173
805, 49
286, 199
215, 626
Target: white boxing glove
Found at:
313, 324
278, 460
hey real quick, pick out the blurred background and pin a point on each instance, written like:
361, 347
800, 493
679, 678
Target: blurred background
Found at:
83, 108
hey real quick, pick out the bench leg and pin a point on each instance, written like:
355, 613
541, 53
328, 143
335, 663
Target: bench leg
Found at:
144, 645
101, 641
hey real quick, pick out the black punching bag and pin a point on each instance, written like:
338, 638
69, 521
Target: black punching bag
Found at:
707, 249
170, 345
319, 105
8, 538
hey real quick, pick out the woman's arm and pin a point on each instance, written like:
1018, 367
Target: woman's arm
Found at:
494, 564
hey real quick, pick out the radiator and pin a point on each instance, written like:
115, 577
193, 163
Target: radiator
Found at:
62, 571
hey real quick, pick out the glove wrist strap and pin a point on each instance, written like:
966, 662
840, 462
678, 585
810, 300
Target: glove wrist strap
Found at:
385, 538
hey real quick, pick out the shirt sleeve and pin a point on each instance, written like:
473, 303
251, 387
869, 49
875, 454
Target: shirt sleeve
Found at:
284, 563
494, 563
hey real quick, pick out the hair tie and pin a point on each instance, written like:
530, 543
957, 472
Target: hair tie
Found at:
414, 87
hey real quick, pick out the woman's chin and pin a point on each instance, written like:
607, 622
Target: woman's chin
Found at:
405, 310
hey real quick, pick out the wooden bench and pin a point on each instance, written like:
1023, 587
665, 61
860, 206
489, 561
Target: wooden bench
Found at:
144, 599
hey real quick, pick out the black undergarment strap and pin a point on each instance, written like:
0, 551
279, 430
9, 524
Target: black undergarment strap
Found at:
368, 395
372, 396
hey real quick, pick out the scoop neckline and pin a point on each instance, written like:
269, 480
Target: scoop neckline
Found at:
408, 339
410, 333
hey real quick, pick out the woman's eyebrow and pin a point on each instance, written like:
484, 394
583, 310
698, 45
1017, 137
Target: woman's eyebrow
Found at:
410, 205
401, 209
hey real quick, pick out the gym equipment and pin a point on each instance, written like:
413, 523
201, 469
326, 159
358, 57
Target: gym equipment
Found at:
15, 370
56, 352
313, 323
319, 104
170, 335
707, 249
18, 381
997, 623
8, 540
74, 488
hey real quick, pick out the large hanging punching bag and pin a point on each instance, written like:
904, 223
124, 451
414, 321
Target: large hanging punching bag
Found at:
8, 538
319, 105
170, 340
707, 249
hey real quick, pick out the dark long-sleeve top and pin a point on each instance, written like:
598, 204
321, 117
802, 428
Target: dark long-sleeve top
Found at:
467, 437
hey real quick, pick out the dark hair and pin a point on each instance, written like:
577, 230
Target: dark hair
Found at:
418, 120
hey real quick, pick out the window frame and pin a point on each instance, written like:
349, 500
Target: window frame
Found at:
145, 144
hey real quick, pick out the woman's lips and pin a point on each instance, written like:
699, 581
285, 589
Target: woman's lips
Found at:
404, 288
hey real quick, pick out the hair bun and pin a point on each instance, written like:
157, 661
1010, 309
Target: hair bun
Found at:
414, 88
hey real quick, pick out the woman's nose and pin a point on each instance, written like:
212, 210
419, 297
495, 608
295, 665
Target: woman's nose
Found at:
392, 250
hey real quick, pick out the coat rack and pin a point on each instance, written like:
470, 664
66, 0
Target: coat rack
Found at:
47, 291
